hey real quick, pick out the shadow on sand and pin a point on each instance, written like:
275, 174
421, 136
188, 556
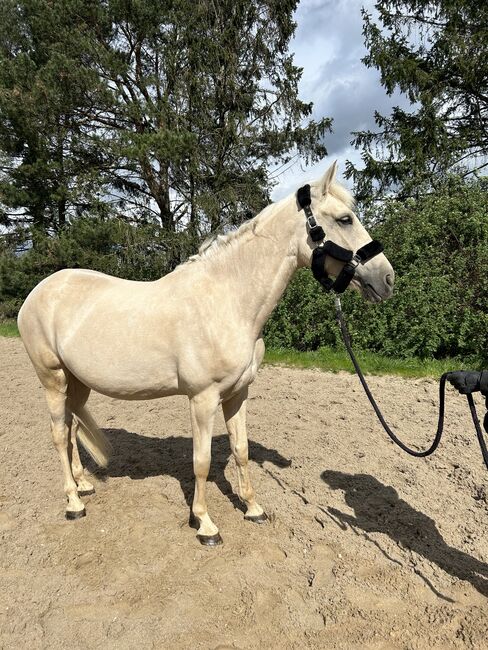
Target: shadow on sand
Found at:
377, 508
139, 457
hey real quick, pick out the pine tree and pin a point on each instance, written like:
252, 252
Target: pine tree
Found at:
168, 111
204, 96
49, 164
435, 53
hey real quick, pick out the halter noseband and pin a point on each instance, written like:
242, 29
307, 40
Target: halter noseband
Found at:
351, 260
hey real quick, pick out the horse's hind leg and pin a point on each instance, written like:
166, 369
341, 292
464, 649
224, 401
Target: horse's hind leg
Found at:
84, 486
77, 396
235, 419
61, 420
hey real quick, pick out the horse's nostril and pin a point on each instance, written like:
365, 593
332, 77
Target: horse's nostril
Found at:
389, 279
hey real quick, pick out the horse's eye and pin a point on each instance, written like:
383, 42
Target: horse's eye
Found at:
345, 221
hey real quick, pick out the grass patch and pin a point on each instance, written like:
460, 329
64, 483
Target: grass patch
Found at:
9, 328
335, 360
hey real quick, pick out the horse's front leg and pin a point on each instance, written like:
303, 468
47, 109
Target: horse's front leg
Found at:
235, 419
202, 411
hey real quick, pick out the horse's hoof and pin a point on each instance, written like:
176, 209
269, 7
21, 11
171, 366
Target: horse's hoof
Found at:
75, 514
210, 540
86, 493
257, 519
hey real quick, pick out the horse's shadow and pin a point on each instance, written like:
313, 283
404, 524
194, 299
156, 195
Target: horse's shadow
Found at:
139, 457
378, 508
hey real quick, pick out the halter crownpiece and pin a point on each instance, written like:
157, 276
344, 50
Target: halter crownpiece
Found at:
304, 200
351, 260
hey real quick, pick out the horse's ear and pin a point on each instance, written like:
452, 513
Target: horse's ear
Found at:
328, 178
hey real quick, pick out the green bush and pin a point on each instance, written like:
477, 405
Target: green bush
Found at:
438, 246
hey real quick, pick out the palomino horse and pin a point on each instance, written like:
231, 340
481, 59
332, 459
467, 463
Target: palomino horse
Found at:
196, 332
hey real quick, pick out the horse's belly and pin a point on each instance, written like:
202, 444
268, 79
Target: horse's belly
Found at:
133, 373
128, 382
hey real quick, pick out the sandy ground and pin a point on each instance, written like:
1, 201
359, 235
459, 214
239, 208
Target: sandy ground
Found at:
366, 547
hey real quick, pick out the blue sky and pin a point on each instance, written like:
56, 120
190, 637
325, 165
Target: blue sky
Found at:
329, 46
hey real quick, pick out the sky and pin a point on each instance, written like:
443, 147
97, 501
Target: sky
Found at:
329, 46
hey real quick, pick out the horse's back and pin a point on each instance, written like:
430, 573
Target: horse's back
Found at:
59, 296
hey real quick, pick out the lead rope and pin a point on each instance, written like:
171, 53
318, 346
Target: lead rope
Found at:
477, 426
442, 396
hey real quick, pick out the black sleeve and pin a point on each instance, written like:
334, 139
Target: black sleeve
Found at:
484, 383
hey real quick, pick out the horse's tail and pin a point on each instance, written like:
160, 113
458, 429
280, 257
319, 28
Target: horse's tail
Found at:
93, 440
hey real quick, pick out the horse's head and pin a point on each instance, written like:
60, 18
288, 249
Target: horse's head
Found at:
332, 207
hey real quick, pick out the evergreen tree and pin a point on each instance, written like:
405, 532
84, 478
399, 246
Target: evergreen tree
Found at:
49, 165
436, 54
169, 111
204, 96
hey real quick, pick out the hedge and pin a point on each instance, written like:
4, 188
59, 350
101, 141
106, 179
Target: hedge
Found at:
437, 244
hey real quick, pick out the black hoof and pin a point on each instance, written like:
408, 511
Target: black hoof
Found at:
210, 540
86, 493
72, 514
257, 519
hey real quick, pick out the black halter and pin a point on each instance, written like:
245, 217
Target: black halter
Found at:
351, 260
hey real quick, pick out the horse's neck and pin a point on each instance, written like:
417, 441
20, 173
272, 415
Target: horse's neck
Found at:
259, 265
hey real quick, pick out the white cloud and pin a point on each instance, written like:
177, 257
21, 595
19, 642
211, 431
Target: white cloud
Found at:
329, 46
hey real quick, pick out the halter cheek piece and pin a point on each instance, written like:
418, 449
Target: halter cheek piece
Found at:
351, 260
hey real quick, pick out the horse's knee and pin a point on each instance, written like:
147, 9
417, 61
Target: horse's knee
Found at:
201, 465
241, 452
59, 435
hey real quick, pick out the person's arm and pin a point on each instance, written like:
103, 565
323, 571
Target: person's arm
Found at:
467, 381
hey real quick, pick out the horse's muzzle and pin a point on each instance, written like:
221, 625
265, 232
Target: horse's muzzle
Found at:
376, 292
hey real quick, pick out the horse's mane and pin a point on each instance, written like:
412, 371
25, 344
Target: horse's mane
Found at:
217, 242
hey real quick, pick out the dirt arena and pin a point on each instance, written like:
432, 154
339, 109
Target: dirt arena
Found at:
365, 548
